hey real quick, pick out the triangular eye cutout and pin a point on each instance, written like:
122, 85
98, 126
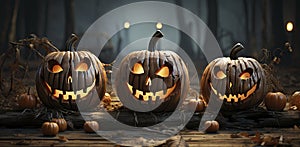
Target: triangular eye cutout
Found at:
84, 65
219, 73
163, 72
137, 68
54, 66
246, 74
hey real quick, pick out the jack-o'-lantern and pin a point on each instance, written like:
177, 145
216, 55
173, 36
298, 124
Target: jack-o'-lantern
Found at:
70, 79
237, 81
152, 79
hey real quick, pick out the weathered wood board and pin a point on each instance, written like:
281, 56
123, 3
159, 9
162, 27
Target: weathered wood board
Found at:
33, 137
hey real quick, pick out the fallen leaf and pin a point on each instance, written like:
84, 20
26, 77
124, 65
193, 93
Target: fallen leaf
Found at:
257, 138
270, 141
244, 134
281, 139
293, 108
63, 138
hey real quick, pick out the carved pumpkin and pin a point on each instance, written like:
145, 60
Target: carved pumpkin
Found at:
152, 79
50, 128
67, 78
275, 101
237, 81
27, 100
211, 126
90, 126
295, 99
62, 124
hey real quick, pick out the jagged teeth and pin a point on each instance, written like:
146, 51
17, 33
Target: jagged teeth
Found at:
154, 96
233, 98
66, 95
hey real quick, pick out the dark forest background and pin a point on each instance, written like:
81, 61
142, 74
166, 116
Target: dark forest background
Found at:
256, 23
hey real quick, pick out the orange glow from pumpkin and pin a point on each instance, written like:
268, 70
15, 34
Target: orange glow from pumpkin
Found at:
221, 75
82, 67
72, 94
146, 95
57, 69
245, 75
234, 98
163, 72
138, 68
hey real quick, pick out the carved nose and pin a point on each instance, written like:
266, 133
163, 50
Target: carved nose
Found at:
148, 81
69, 79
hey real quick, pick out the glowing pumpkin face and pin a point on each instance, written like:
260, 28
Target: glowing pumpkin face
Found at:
149, 78
67, 78
142, 79
238, 82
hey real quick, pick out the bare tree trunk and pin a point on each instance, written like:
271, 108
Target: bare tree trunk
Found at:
297, 34
278, 29
5, 16
185, 41
69, 18
253, 26
12, 33
31, 17
247, 30
46, 17
213, 16
264, 24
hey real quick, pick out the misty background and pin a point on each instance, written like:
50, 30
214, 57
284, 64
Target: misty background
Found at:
256, 24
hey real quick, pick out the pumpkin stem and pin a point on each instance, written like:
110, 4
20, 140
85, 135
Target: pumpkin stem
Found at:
70, 44
28, 92
235, 49
156, 36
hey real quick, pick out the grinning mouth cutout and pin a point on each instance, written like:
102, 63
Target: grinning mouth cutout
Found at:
70, 95
234, 98
148, 96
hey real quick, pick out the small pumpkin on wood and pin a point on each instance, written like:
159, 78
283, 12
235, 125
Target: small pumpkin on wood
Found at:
211, 126
27, 100
62, 123
275, 101
70, 79
198, 103
50, 128
239, 82
152, 79
90, 126
295, 99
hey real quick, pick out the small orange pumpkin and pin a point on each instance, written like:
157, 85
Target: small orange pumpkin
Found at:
90, 126
27, 100
200, 104
275, 101
50, 128
62, 124
212, 126
295, 99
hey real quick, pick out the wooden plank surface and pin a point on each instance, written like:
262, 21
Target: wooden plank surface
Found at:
33, 137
